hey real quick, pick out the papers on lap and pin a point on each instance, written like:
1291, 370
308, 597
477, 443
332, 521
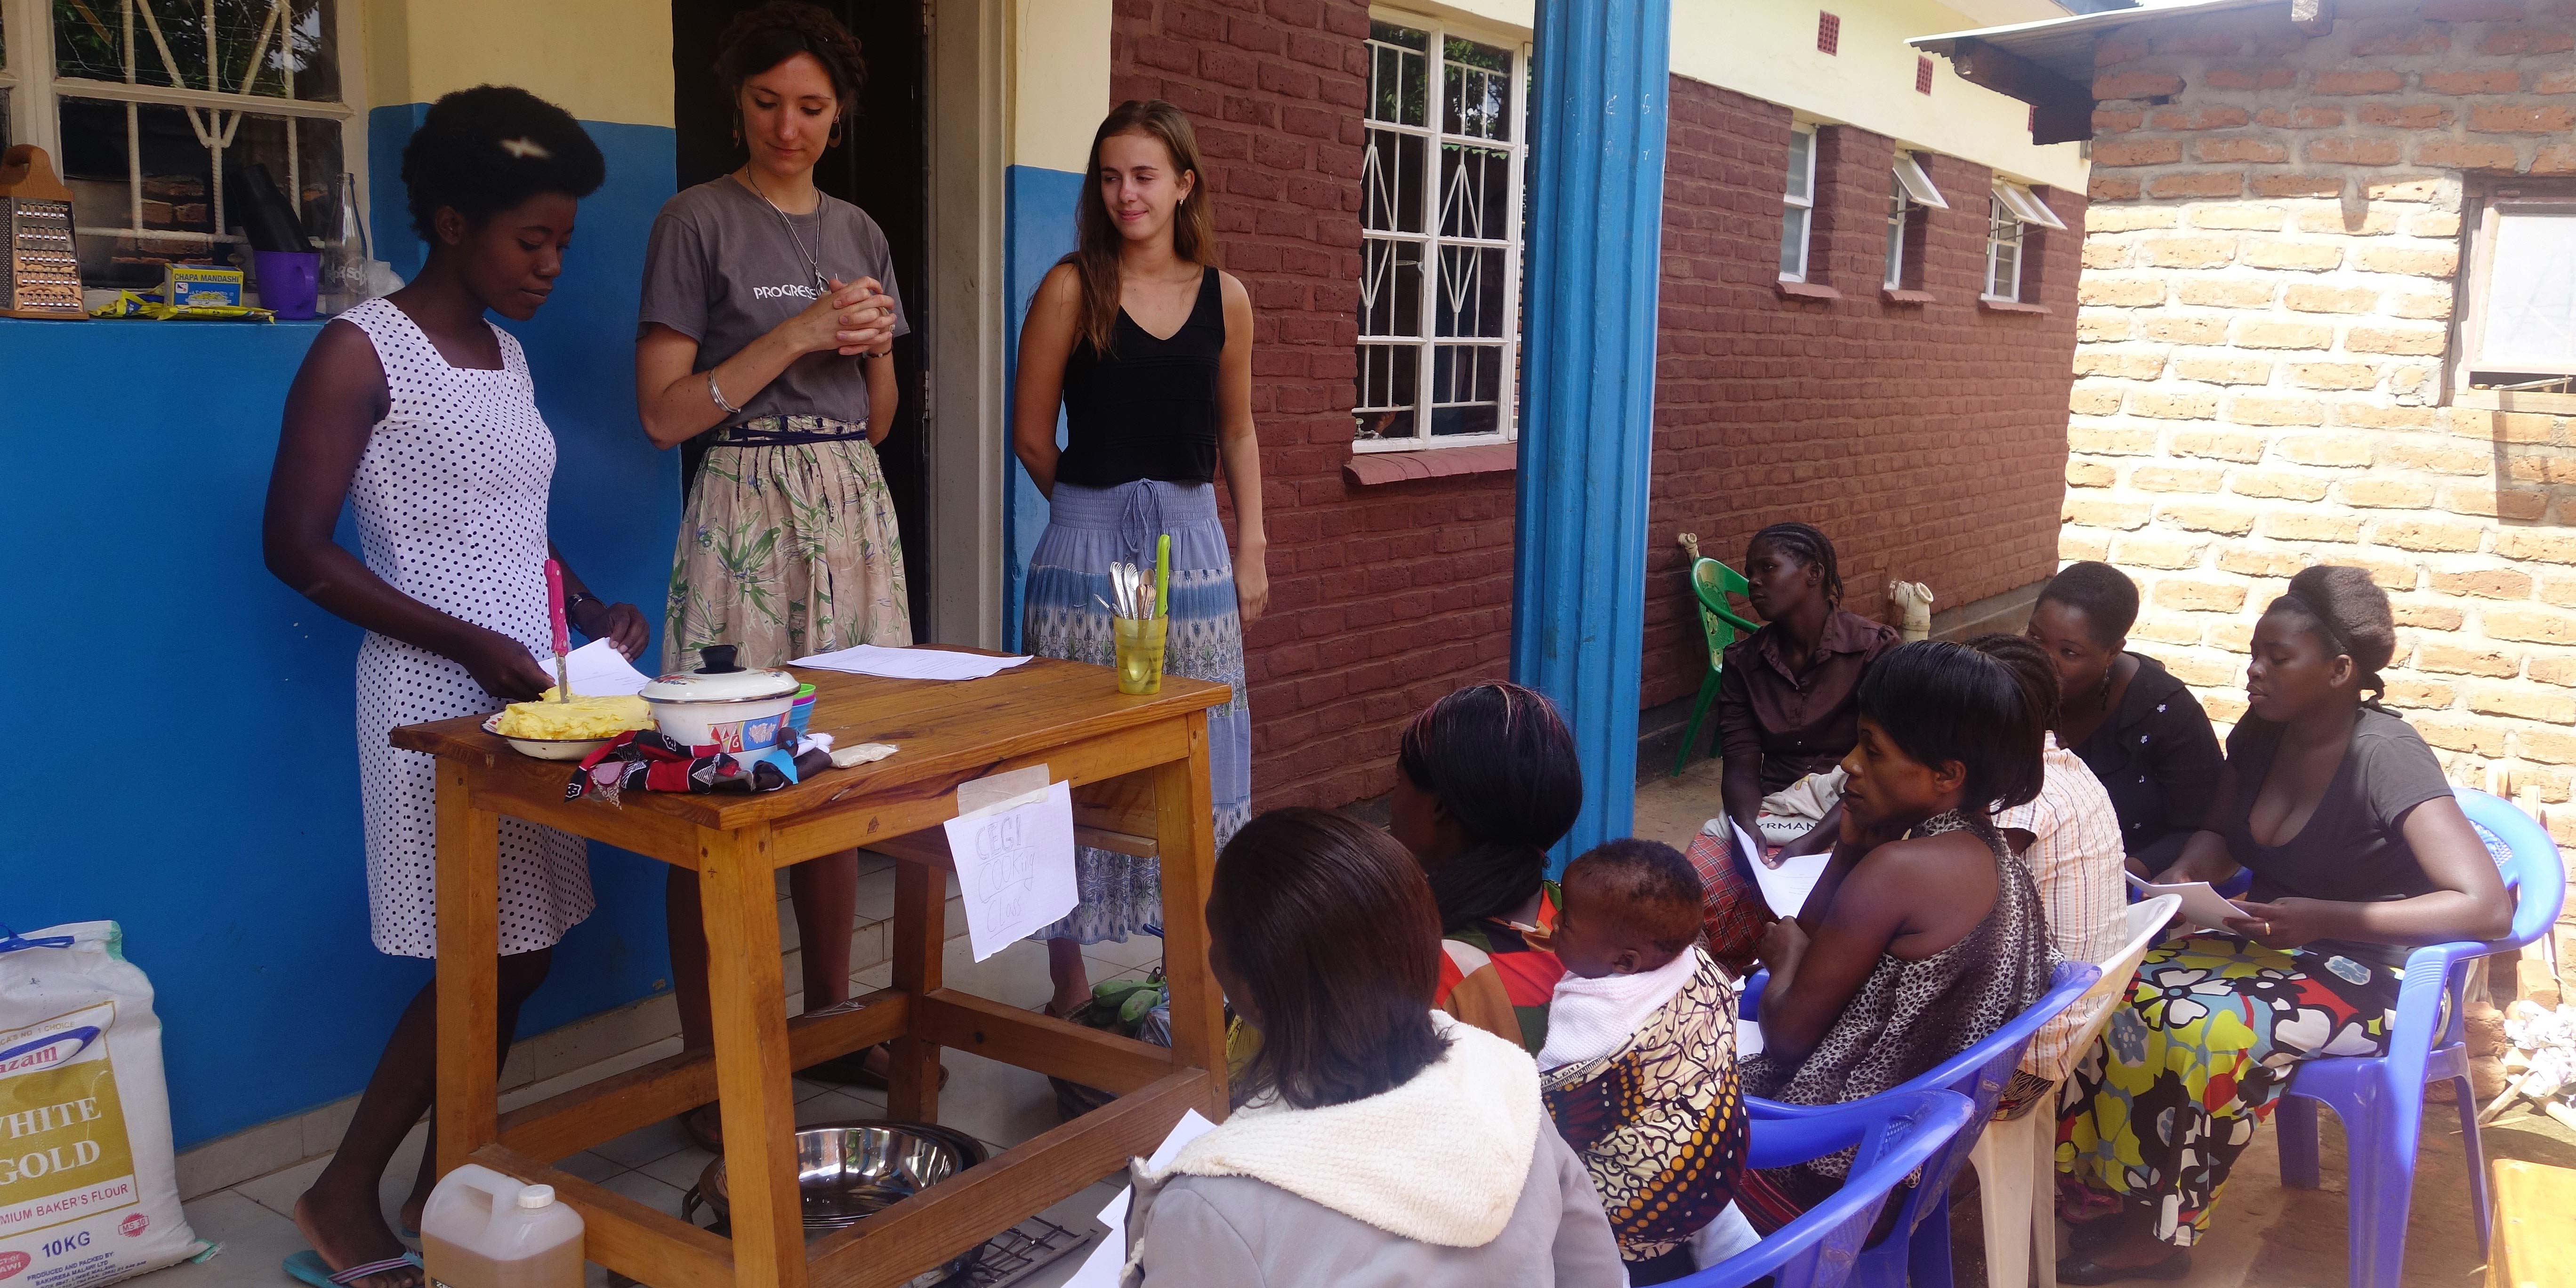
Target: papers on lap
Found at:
2202, 905
1785, 887
1109, 1257
910, 663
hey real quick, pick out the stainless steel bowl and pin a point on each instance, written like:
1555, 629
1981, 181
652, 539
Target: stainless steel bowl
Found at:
850, 1171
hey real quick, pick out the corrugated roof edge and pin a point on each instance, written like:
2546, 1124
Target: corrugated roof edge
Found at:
2038, 41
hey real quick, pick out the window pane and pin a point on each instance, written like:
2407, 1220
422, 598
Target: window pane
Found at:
258, 46
1390, 287
1793, 241
1399, 74
1475, 192
179, 192
1802, 148
1466, 386
1477, 91
1472, 292
1390, 377
2530, 314
1391, 182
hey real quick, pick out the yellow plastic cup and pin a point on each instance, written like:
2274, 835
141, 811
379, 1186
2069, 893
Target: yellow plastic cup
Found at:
1139, 643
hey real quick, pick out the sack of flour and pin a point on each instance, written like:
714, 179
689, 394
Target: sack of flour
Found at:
88, 1194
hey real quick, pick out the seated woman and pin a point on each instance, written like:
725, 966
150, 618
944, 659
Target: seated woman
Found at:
1376, 1142
2135, 725
2357, 850
1924, 934
1486, 781
1785, 696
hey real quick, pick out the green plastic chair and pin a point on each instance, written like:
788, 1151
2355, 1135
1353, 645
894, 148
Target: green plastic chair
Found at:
1712, 582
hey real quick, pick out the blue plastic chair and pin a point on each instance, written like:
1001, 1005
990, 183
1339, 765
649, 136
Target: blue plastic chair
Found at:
2381, 1099
1919, 1242
1894, 1133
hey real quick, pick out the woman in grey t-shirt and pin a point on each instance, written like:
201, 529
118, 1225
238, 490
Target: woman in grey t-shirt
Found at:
769, 315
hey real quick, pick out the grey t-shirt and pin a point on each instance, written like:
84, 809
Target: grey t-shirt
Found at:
722, 269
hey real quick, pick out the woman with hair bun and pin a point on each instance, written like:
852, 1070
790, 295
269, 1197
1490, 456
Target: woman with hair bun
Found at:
1486, 781
2358, 852
769, 316
420, 415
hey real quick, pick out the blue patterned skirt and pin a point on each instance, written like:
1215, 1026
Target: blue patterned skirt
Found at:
1087, 530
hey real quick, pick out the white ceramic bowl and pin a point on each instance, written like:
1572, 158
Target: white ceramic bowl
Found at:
545, 748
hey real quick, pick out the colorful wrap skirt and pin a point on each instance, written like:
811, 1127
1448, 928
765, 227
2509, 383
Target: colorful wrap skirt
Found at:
1087, 530
787, 549
2194, 1061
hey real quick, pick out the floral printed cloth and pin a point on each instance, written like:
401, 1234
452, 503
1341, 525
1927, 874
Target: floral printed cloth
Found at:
786, 551
2195, 1060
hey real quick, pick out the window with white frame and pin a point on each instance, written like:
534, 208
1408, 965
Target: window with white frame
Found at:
152, 110
2518, 327
1909, 194
2013, 211
1439, 350
1798, 204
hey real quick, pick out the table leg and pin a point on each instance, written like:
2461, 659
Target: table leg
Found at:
468, 878
920, 935
1185, 835
748, 996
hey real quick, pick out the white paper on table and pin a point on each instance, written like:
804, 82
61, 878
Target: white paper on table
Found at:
1014, 866
2202, 904
1784, 888
598, 670
1109, 1256
910, 663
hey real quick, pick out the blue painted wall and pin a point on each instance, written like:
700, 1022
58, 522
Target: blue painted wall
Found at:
1038, 211
199, 715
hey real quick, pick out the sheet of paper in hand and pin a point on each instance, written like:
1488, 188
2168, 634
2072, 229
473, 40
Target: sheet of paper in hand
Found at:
2202, 904
1784, 887
1014, 864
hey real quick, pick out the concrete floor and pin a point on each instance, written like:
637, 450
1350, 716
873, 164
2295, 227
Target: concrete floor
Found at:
2265, 1235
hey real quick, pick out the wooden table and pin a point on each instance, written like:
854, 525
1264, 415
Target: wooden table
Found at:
2533, 1207
1140, 768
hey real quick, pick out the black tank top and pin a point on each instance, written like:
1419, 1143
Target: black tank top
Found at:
1147, 411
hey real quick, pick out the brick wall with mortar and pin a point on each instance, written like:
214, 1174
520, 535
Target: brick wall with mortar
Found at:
2270, 272
1925, 438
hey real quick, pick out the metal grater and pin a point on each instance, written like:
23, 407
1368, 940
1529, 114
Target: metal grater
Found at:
39, 266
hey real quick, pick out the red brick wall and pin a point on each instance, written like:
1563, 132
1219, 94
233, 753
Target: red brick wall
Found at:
1382, 598
1928, 440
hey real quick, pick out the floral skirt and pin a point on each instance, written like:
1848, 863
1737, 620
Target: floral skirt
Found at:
1087, 530
786, 551
2195, 1060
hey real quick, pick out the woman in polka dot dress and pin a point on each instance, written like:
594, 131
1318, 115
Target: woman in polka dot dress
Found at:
420, 413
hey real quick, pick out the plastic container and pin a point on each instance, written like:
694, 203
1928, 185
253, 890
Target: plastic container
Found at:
486, 1230
802, 714
288, 281
1137, 646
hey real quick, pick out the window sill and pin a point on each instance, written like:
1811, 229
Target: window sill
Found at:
1370, 469
1807, 291
2012, 306
1895, 296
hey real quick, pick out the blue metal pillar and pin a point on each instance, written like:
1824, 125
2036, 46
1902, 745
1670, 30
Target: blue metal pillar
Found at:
1595, 235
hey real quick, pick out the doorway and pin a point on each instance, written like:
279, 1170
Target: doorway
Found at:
883, 168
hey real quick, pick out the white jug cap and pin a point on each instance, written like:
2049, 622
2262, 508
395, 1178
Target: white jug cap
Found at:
537, 1196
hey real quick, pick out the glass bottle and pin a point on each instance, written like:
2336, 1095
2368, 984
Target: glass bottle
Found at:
345, 258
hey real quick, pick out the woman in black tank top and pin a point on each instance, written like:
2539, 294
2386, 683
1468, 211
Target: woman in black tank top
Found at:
1147, 348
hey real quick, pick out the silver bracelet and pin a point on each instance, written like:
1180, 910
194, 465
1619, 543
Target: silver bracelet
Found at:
718, 395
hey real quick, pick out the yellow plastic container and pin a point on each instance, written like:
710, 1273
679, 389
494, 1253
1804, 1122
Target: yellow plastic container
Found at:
1139, 643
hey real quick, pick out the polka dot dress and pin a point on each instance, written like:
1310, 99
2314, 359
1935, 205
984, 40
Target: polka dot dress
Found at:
451, 508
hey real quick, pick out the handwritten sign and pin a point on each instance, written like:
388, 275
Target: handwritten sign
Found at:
1014, 866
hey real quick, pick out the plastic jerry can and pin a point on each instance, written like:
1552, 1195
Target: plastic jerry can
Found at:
485, 1230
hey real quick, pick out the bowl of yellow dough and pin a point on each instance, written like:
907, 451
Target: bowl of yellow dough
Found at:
550, 730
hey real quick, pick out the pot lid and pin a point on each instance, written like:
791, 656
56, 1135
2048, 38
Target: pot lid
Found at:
718, 679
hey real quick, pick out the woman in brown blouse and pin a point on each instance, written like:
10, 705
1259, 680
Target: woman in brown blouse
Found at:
1785, 704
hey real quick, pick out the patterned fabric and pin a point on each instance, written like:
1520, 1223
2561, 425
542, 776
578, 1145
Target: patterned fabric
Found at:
450, 500
2076, 863
787, 551
1493, 978
1911, 1015
1733, 914
645, 761
1087, 530
2195, 1060
1659, 1121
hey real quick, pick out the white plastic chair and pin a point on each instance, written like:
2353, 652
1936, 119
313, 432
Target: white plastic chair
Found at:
2016, 1161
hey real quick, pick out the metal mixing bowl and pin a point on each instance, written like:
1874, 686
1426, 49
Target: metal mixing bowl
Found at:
850, 1171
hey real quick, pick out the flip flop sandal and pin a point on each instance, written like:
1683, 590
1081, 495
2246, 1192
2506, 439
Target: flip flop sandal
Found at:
307, 1267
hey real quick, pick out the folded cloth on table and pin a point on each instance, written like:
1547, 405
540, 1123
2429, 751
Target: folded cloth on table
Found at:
646, 761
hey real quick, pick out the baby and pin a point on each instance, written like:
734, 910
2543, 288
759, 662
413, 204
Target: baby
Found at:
1639, 1066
